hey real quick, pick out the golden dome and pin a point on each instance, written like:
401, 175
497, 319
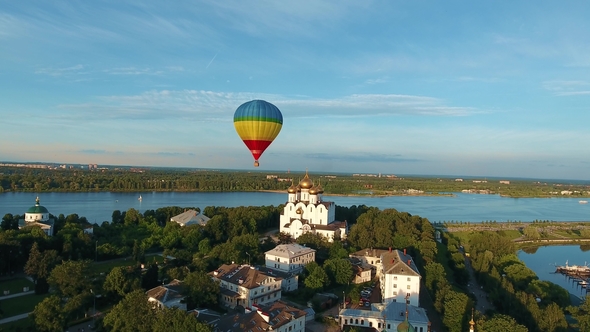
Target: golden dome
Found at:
306, 183
313, 191
319, 189
292, 189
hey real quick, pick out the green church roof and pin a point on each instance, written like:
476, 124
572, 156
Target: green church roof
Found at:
37, 208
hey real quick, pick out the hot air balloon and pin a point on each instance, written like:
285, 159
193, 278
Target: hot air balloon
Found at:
258, 123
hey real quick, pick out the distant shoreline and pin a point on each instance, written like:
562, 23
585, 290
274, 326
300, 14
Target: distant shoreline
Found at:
365, 195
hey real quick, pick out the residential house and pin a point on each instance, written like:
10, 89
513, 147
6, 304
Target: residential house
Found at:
167, 296
386, 317
277, 316
289, 257
190, 217
399, 277
244, 285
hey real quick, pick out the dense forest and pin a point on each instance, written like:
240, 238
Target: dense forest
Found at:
128, 180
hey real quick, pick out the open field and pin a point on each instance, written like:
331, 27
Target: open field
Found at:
15, 286
21, 304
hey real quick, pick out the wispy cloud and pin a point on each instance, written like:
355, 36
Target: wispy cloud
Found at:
10, 26
92, 151
373, 81
567, 88
360, 157
51, 71
198, 105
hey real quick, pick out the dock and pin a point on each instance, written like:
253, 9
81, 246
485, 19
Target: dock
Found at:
578, 274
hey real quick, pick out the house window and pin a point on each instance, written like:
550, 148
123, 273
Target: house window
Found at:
362, 322
409, 287
394, 285
345, 321
388, 326
378, 325
409, 279
370, 324
356, 321
395, 278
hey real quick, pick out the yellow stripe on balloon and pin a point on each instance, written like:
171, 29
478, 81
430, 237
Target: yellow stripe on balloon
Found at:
257, 130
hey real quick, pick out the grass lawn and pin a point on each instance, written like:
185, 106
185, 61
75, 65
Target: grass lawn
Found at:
21, 304
15, 285
19, 325
107, 266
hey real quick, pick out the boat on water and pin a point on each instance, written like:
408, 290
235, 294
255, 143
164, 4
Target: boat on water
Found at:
573, 269
140, 199
583, 202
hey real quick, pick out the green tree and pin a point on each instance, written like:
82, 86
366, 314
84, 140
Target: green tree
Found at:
553, 319
39, 266
435, 276
49, 315
133, 313
201, 290
501, 323
9, 222
455, 306
120, 281
172, 320
582, 314
339, 270
70, 281
532, 233
150, 278
70, 278
316, 278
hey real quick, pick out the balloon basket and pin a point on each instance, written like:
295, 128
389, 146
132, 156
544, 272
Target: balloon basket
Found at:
256, 163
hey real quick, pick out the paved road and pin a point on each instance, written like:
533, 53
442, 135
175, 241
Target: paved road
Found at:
474, 288
14, 318
6, 297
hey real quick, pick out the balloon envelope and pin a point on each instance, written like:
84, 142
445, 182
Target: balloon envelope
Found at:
258, 123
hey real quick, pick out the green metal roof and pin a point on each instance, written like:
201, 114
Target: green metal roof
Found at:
37, 209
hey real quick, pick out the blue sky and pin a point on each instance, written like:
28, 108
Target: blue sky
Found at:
399, 87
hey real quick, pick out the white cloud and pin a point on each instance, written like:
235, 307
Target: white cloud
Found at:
199, 105
567, 88
77, 69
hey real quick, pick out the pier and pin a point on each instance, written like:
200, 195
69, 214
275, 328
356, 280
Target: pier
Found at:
578, 274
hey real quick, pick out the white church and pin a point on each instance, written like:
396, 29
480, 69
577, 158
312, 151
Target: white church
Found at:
306, 212
38, 216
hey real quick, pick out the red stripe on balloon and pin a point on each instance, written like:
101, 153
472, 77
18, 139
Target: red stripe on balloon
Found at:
257, 147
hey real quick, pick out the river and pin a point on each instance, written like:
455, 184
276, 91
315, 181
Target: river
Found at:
99, 206
543, 261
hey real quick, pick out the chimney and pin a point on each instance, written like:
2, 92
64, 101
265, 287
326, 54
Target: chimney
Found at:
389, 249
409, 262
405, 252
